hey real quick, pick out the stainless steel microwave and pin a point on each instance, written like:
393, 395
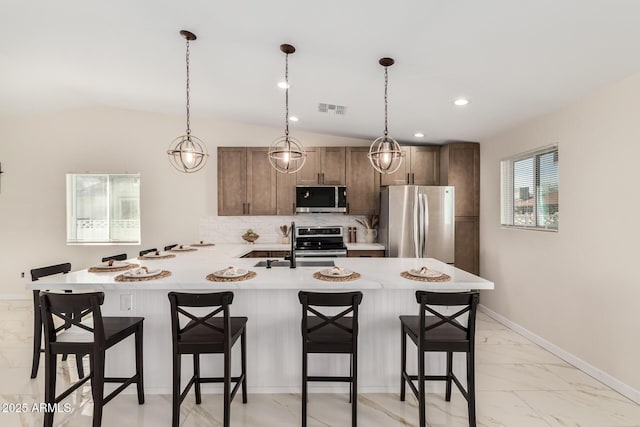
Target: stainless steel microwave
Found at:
321, 198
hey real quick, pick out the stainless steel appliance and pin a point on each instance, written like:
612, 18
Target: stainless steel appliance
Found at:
417, 222
321, 198
319, 242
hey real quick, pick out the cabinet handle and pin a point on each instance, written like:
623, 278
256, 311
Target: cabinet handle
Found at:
244, 210
322, 175
293, 208
248, 208
408, 178
319, 178
413, 178
347, 208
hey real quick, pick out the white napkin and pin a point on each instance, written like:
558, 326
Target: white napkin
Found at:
229, 271
336, 271
143, 271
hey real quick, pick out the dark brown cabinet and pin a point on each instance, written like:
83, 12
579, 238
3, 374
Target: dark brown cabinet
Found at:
324, 166
420, 166
285, 194
460, 167
246, 182
366, 253
363, 183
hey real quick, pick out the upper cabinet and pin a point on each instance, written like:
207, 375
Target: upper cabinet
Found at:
363, 183
420, 166
460, 167
246, 182
324, 166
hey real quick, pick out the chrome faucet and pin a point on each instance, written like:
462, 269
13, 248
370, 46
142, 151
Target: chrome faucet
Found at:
292, 254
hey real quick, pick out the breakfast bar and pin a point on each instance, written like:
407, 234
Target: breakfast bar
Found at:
270, 302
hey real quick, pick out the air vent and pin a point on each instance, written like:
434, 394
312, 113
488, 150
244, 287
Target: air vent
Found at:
338, 110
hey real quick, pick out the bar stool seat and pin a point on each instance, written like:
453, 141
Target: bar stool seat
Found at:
445, 337
205, 339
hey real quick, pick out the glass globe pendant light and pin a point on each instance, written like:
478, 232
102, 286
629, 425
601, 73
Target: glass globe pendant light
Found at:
188, 153
385, 154
286, 154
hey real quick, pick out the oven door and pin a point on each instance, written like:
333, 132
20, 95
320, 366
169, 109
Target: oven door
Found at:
321, 253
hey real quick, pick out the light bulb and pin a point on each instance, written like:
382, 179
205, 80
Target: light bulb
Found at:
286, 157
187, 154
386, 156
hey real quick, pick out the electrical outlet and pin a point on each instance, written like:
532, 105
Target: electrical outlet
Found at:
22, 275
126, 302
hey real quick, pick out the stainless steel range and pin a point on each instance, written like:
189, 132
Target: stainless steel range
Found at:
320, 242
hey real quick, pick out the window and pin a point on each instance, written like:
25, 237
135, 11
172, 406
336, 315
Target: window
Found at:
103, 208
529, 190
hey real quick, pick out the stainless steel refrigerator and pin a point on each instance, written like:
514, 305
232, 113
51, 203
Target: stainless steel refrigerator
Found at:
417, 222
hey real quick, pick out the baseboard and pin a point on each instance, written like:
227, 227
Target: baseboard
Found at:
14, 297
585, 367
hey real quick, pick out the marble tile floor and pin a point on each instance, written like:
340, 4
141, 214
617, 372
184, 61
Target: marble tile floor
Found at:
518, 385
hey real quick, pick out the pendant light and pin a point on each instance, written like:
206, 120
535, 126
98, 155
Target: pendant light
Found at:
188, 153
385, 154
286, 154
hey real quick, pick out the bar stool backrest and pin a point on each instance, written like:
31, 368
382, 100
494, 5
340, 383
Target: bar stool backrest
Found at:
325, 299
146, 251
119, 257
467, 301
220, 301
169, 247
83, 305
50, 270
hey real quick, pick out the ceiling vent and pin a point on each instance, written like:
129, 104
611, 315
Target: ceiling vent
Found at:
336, 110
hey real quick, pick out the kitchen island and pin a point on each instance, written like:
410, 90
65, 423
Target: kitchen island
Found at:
270, 302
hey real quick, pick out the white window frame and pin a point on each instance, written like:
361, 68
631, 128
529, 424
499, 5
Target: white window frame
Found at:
507, 189
72, 233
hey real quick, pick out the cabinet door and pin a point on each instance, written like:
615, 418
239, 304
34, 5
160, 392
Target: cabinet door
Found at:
401, 176
232, 180
363, 183
261, 183
286, 194
310, 172
467, 241
332, 164
464, 175
425, 165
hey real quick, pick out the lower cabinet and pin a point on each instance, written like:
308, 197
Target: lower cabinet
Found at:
467, 241
366, 253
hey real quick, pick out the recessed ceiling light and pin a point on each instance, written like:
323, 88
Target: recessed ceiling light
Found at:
419, 135
461, 102
283, 85
293, 118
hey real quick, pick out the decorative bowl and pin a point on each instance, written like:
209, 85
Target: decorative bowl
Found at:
251, 238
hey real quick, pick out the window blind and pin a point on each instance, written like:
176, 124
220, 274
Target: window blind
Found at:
530, 190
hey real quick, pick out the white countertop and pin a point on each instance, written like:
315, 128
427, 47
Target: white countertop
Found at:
286, 247
189, 271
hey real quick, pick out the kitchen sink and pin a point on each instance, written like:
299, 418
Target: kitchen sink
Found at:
299, 263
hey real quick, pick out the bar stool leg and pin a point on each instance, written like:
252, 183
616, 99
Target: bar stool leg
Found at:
304, 386
196, 374
37, 333
447, 396
354, 401
49, 385
227, 387
243, 355
471, 388
139, 365
421, 386
175, 417
403, 367
351, 376
97, 388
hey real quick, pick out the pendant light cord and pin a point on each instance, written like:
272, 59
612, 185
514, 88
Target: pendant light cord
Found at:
386, 83
188, 98
286, 95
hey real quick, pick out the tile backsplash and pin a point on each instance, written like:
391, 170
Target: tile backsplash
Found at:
229, 229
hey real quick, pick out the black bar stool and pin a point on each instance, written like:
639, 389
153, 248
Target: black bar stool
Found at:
36, 274
441, 333
93, 337
146, 251
119, 257
207, 335
333, 334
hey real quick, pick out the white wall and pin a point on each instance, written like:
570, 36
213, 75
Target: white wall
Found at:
578, 288
37, 151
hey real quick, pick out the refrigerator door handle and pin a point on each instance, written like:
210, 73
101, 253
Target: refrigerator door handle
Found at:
425, 224
421, 219
416, 224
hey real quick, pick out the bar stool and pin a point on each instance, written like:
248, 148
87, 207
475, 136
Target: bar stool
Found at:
332, 334
441, 333
36, 274
93, 337
119, 257
146, 251
206, 335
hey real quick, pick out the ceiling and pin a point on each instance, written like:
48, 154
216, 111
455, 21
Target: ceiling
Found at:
513, 60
